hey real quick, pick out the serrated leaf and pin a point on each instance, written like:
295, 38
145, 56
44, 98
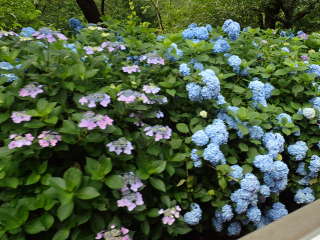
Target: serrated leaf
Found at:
86, 193
158, 184
114, 181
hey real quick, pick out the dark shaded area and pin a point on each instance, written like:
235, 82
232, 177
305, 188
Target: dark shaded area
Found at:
89, 10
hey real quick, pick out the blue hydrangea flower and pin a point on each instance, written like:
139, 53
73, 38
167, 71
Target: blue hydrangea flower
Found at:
316, 103
298, 150
280, 170
274, 142
196, 159
217, 132
263, 222
264, 190
256, 132
70, 46
198, 66
209, 27
314, 166
9, 76
221, 46
236, 172
184, 69
304, 196
284, 117
195, 33
200, 138
234, 61
277, 211
241, 194
217, 224
275, 185
254, 214
194, 216
27, 32
194, 92
226, 213
314, 69
173, 53
285, 49
213, 154
263, 162
160, 38
232, 28
75, 24
234, 229
221, 100
301, 169
250, 183
6, 66
207, 93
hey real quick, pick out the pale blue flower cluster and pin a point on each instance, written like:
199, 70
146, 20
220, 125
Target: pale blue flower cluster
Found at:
195, 158
274, 142
256, 132
71, 46
285, 49
260, 92
314, 69
225, 214
234, 61
217, 132
298, 150
316, 103
9, 76
277, 178
6, 66
304, 196
213, 154
236, 172
197, 65
301, 169
210, 90
193, 32
184, 69
314, 166
254, 214
283, 117
277, 211
194, 216
265, 191
221, 46
200, 138
27, 32
234, 229
232, 28
173, 53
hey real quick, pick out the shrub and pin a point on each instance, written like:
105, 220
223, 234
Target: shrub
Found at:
116, 132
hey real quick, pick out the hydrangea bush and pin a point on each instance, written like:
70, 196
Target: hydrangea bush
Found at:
110, 133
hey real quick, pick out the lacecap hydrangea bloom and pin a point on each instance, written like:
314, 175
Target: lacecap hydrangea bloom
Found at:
298, 150
90, 120
194, 216
18, 141
49, 138
91, 100
49, 35
121, 145
131, 69
232, 28
114, 233
170, 215
31, 90
18, 117
150, 89
304, 196
158, 132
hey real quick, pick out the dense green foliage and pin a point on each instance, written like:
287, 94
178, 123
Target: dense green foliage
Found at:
70, 190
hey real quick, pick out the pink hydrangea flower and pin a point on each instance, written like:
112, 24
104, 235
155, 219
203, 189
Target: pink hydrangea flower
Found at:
92, 100
170, 215
152, 58
114, 233
158, 132
91, 120
31, 90
49, 35
49, 138
91, 50
304, 57
113, 46
18, 117
119, 146
151, 89
130, 200
131, 182
128, 96
20, 140
131, 69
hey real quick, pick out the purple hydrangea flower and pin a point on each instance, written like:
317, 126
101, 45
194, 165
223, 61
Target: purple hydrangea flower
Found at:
121, 145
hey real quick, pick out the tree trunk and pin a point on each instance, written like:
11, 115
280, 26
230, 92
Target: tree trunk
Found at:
102, 7
89, 10
272, 11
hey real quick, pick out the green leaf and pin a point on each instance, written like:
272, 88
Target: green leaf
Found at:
222, 182
58, 183
72, 178
179, 157
153, 212
65, 210
145, 227
114, 181
98, 169
86, 193
62, 234
158, 184
34, 124
175, 143
69, 127
243, 147
40, 224
280, 72
182, 127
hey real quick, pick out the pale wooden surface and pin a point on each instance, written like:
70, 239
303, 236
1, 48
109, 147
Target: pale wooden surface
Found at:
303, 224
